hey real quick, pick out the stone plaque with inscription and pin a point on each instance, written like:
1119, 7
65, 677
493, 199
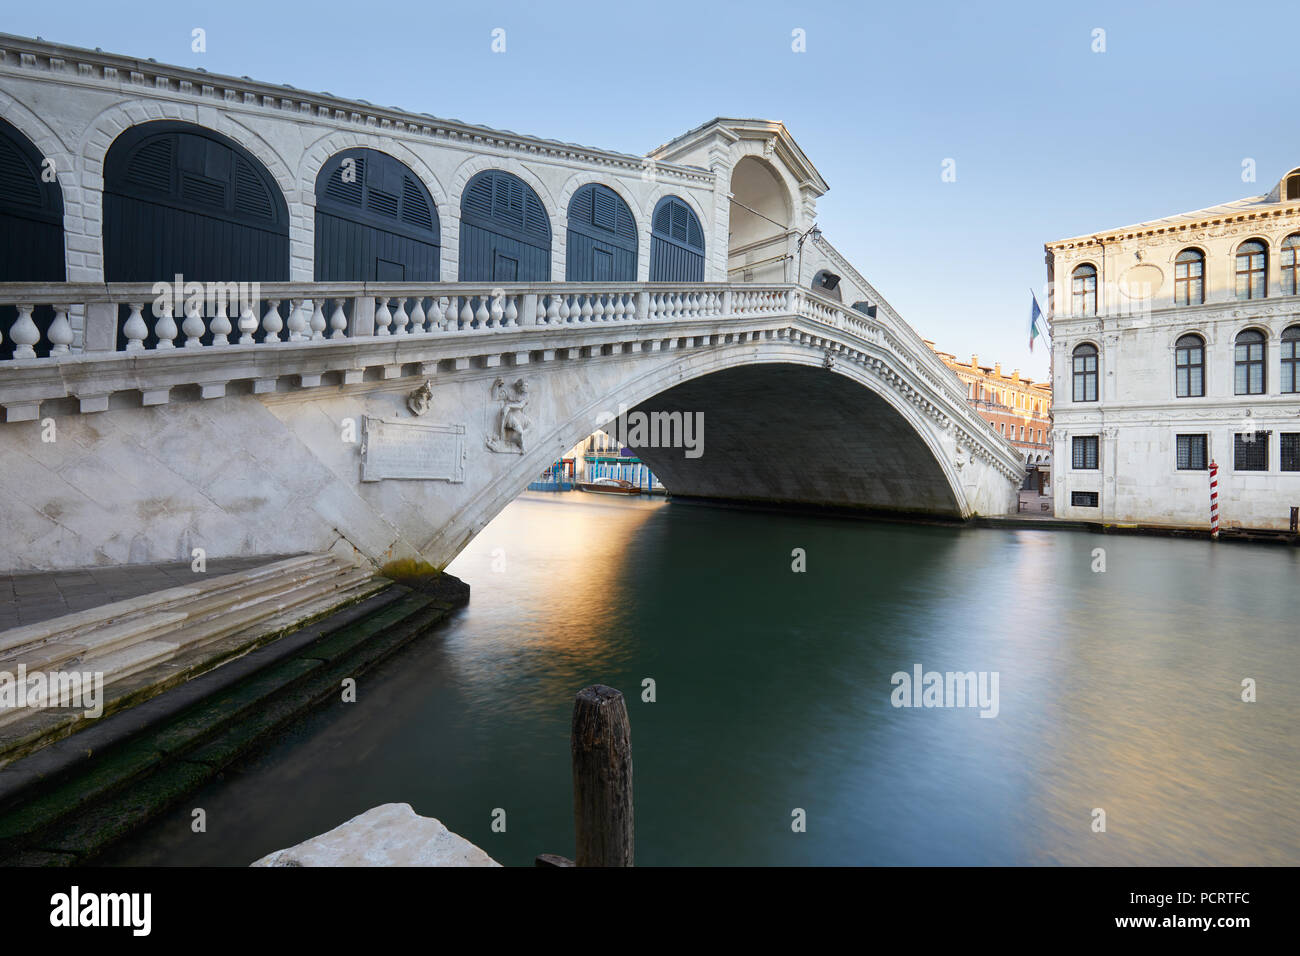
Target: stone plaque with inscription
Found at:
412, 450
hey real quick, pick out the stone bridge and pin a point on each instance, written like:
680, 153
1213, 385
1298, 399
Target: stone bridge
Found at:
202, 347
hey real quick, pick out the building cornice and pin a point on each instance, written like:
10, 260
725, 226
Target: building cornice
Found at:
23, 57
1278, 212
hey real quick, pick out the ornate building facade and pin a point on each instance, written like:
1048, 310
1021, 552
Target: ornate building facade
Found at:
1176, 345
1016, 407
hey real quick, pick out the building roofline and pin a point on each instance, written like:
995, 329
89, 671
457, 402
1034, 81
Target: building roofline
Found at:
21, 54
734, 129
1254, 208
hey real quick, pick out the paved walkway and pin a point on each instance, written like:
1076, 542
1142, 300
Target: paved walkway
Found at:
39, 596
1034, 505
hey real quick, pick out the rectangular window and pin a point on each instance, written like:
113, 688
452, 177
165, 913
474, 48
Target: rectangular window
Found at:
1085, 452
1083, 499
1191, 452
1289, 451
1250, 451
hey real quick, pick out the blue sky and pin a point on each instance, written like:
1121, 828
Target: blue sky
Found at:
1050, 138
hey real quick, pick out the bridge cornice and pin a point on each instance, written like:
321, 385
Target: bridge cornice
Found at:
76, 66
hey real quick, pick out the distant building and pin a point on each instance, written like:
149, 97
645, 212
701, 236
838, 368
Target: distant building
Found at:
1015, 407
1176, 343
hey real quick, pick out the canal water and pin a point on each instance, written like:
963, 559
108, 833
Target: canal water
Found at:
1118, 691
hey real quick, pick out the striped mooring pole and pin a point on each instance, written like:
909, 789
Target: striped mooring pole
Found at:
1214, 500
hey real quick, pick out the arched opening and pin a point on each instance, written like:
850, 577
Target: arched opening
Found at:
601, 243
183, 200
31, 230
676, 243
761, 221
854, 451
828, 284
505, 235
375, 221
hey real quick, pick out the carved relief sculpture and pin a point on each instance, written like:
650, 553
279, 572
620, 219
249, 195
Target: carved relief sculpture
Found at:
510, 420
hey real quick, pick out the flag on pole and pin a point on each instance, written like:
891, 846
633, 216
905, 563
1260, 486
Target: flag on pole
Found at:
1035, 314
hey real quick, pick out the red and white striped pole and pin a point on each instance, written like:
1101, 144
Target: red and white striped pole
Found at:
1214, 500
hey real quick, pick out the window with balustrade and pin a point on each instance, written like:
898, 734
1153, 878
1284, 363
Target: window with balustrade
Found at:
1189, 366
1252, 270
1189, 277
1248, 363
1085, 373
1291, 359
1084, 289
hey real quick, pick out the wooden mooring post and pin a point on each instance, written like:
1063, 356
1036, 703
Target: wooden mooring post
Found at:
601, 745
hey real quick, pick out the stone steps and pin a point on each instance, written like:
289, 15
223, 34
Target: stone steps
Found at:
68, 801
198, 627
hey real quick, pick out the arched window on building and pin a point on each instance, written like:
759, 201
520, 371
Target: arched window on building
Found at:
601, 237
505, 235
1248, 363
375, 221
1084, 289
1085, 373
1291, 264
31, 231
676, 243
1252, 270
1189, 366
1189, 277
1291, 359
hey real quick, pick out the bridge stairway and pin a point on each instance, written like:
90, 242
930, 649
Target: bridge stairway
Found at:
147, 644
69, 800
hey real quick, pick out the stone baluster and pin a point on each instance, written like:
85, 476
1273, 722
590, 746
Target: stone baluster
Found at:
383, 318
564, 311
297, 321
318, 319
247, 325
271, 322
338, 321
400, 318
481, 314
584, 314
450, 321
417, 315
552, 310
193, 326
60, 333
134, 329
496, 313
512, 312
24, 333
608, 308
466, 314
220, 324
165, 327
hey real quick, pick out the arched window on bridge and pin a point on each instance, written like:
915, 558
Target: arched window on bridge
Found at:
1085, 373
181, 199
31, 231
828, 284
676, 243
505, 235
601, 237
375, 221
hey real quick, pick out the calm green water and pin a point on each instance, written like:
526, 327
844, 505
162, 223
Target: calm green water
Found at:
1117, 690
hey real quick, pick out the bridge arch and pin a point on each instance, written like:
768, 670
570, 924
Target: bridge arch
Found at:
850, 395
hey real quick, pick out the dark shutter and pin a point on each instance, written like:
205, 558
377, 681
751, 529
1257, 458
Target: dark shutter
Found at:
676, 243
375, 221
503, 228
602, 240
